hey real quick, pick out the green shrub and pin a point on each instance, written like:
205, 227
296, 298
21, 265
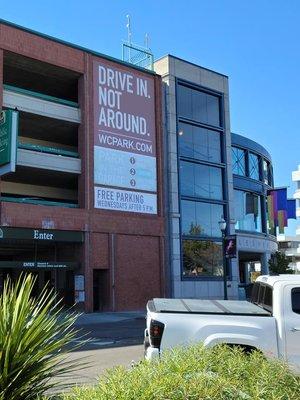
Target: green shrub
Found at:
197, 373
33, 336
279, 264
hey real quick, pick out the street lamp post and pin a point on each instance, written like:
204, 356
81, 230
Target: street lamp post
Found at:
222, 226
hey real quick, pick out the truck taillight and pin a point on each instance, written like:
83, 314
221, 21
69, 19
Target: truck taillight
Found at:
156, 332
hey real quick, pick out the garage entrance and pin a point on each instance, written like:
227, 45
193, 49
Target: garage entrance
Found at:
62, 281
51, 256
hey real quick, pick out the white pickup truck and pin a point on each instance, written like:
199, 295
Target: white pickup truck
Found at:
269, 323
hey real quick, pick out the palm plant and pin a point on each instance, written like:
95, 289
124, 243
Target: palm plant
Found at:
33, 339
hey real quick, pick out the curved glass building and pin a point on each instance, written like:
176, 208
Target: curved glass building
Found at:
252, 177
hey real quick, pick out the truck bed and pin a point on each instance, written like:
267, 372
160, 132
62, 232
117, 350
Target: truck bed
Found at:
193, 306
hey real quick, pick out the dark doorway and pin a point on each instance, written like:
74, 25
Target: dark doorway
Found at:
100, 290
16, 253
60, 281
249, 270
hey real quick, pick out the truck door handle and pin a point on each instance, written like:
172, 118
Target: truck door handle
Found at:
295, 329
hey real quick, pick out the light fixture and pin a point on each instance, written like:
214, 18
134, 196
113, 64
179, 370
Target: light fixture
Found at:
222, 224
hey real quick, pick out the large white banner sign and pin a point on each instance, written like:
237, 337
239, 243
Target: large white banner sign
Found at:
125, 200
126, 170
124, 131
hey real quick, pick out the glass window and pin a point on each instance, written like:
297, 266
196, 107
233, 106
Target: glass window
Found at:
213, 110
296, 300
199, 110
268, 299
265, 172
198, 106
270, 230
238, 161
202, 258
199, 180
254, 293
247, 208
270, 174
199, 143
261, 294
200, 219
254, 166
184, 105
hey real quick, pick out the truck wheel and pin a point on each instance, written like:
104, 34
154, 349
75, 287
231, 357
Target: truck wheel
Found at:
245, 349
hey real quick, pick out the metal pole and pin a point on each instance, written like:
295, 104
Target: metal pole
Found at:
113, 271
224, 267
128, 26
56, 273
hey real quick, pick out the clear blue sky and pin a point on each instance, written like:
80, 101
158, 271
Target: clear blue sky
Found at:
255, 43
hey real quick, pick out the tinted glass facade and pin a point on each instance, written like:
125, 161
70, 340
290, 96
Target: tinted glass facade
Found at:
253, 177
201, 177
202, 258
248, 212
238, 161
252, 165
199, 180
267, 173
198, 106
200, 219
199, 143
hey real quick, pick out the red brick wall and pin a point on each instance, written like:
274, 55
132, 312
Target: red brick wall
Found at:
99, 249
34, 216
137, 271
33, 46
129, 245
1, 77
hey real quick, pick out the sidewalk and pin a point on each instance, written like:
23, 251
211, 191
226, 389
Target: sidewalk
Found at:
107, 317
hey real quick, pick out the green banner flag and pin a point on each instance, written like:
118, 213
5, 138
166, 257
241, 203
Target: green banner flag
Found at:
9, 123
5, 136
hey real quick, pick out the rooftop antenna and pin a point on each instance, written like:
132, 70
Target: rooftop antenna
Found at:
128, 26
147, 41
141, 56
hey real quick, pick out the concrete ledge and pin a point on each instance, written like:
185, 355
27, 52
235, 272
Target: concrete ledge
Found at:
41, 107
35, 159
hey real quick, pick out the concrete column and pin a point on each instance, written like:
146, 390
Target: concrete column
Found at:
83, 137
265, 257
88, 275
85, 148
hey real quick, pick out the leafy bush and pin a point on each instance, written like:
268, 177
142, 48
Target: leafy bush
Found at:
197, 373
279, 264
33, 336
